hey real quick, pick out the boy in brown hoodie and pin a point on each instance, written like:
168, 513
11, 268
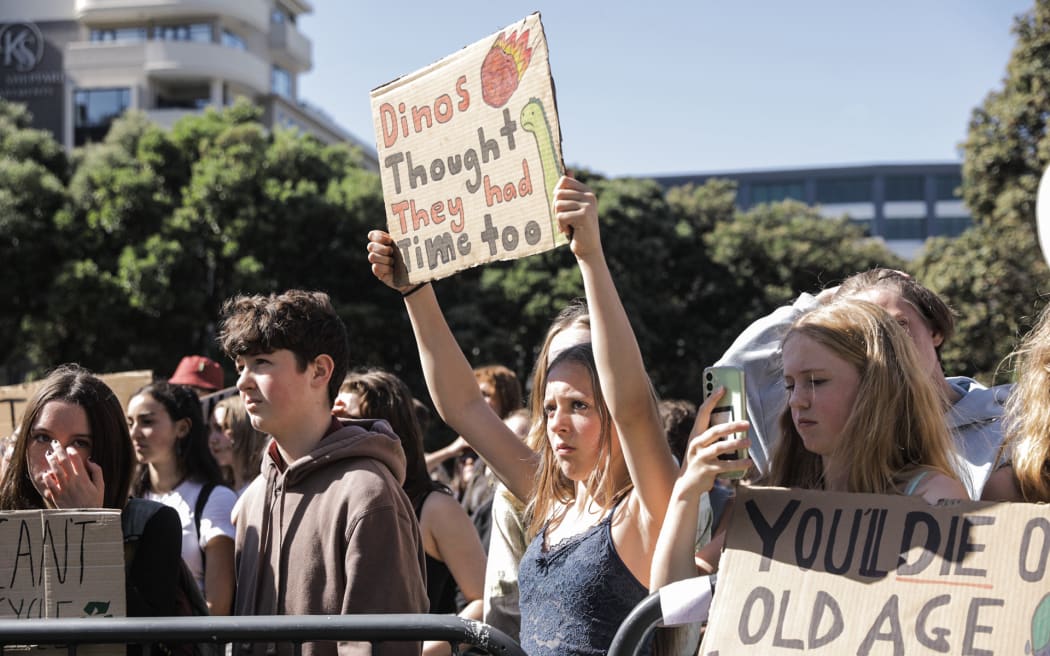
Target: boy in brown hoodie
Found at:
326, 528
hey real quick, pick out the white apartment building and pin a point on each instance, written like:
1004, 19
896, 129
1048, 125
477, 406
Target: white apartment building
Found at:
78, 64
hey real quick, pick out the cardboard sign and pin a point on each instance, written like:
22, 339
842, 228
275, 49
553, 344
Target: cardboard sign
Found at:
13, 398
469, 153
829, 573
61, 563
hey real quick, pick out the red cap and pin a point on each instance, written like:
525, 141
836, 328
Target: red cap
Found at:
198, 371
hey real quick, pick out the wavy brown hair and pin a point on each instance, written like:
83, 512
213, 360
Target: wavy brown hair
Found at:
933, 310
896, 426
1027, 422
505, 386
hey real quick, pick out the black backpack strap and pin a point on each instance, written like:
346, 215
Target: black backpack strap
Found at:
135, 515
198, 509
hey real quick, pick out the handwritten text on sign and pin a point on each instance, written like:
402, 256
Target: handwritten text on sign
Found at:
828, 573
470, 150
61, 563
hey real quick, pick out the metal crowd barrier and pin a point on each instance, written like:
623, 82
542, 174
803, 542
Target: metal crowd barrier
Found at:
295, 629
639, 625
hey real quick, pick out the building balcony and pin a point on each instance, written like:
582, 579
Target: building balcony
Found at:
290, 48
166, 118
107, 12
91, 64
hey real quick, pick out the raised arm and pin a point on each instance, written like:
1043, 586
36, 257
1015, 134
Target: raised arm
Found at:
450, 380
675, 556
625, 383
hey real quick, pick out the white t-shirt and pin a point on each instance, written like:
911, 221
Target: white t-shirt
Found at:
215, 520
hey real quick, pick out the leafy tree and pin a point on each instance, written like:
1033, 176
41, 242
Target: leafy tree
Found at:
994, 274
33, 175
163, 226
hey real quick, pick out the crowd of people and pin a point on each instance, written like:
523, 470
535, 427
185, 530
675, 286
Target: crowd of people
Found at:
555, 510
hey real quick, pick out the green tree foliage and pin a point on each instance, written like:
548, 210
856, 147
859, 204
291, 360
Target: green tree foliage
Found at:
34, 171
994, 275
163, 226
772, 252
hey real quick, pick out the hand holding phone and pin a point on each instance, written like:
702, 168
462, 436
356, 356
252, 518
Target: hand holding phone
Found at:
731, 407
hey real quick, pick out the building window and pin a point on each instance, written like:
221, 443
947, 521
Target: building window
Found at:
95, 110
947, 185
771, 192
844, 190
904, 187
196, 32
231, 40
952, 226
119, 34
904, 229
280, 16
281, 82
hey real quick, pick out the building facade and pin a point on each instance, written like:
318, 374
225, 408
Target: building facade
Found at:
903, 204
79, 64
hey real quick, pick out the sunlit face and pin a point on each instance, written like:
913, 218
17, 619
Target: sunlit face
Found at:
574, 426
276, 394
347, 405
926, 340
488, 392
60, 425
153, 432
220, 437
822, 389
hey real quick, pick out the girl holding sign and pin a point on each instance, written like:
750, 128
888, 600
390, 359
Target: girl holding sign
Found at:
1026, 475
860, 417
598, 487
73, 450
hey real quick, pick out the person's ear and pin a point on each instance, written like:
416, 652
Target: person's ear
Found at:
182, 427
323, 366
937, 338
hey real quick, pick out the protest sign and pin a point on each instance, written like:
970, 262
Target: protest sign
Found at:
13, 398
61, 563
469, 151
835, 573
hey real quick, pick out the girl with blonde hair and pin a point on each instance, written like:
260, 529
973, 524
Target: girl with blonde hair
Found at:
860, 417
1026, 447
887, 434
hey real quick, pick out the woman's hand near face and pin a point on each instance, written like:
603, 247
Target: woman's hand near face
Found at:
73, 481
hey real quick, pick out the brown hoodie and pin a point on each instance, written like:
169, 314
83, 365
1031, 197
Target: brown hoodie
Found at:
333, 533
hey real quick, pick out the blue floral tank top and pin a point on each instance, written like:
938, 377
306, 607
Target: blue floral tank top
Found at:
575, 596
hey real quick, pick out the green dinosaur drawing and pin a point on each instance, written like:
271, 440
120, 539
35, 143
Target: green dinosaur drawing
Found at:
534, 119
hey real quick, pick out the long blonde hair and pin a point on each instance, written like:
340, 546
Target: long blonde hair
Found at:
1027, 422
896, 426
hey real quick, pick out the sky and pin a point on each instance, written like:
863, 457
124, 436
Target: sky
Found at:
700, 86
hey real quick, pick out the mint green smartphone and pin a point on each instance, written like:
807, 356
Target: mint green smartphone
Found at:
731, 407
